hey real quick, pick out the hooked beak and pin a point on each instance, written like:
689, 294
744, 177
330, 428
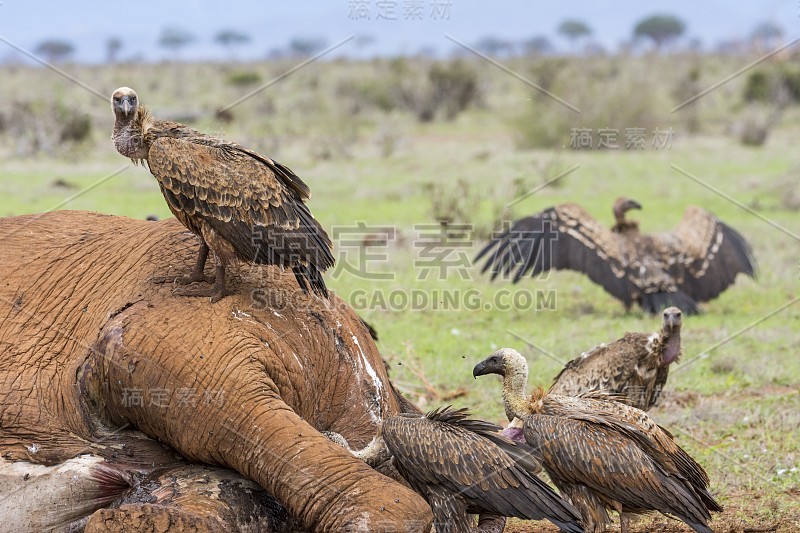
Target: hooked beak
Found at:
126, 106
633, 204
481, 369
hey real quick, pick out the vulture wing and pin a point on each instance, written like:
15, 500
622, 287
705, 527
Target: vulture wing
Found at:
562, 237
704, 255
584, 451
641, 429
622, 367
445, 452
251, 201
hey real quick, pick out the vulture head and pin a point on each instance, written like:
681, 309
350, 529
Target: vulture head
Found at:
124, 102
622, 206
505, 361
671, 335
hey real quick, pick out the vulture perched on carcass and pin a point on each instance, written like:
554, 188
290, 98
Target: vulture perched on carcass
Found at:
603, 454
634, 367
241, 205
693, 263
463, 466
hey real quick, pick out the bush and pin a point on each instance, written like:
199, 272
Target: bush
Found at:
243, 78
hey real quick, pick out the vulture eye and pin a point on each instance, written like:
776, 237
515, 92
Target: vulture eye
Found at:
116, 98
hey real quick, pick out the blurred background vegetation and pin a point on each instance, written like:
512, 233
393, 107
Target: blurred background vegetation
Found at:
393, 143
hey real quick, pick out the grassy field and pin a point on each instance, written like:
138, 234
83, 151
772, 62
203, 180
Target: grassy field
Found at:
734, 400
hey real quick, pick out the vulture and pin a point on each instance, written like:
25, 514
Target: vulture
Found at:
240, 204
693, 263
464, 466
604, 454
634, 367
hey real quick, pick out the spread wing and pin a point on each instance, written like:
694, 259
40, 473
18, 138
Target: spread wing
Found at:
444, 452
562, 237
251, 201
586, 452
704, 255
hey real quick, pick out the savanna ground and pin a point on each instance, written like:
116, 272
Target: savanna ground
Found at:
387, 165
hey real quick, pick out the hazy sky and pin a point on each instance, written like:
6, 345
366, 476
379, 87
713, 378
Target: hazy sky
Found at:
271, 25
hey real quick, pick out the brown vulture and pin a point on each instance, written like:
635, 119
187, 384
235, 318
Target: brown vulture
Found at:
604, 454
693, 263
239, 203
634, 367
463, 466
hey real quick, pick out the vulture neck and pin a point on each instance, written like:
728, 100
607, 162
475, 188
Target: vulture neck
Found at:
128, 134
670, 346
375, 452
514, 401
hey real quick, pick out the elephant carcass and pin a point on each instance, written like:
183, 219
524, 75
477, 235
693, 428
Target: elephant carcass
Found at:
89, 347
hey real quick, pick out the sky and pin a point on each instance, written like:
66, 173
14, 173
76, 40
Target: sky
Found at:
416, 24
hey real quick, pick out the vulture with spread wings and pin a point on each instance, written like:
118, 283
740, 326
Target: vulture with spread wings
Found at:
241, 205
693, 263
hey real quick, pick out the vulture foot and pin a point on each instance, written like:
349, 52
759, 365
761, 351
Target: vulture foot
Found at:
214, 294
185, 280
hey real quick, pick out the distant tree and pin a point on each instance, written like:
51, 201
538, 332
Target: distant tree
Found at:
55, 50
537, 45
175, 39
306, 46
573, 30
363, 41
767, 35
113, 46
231, 39
661, 29
494, 46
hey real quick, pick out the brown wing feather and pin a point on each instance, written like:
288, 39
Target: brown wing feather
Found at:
562, 237
443, 452
656, 441
704, 254
623, 367
587, 452
244, 200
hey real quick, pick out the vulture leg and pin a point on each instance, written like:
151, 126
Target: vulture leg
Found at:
449, 512
196, 275
215, 293
491, 523
624, 523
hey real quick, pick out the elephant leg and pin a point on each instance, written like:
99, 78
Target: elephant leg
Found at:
194, 498
242, 423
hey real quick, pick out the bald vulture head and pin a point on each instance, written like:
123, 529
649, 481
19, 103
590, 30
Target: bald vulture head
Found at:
124, 103
622, 206
505, 361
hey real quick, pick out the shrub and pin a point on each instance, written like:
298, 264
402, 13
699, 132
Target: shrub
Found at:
243, 78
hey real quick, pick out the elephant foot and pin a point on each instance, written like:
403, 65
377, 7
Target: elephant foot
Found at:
153, 518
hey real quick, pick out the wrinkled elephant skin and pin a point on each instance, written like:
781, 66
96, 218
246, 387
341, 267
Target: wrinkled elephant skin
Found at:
90, 349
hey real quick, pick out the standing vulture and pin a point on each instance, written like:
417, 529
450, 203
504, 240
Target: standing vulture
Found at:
603, 454
693, 263
634, 367
463, 466
239, 203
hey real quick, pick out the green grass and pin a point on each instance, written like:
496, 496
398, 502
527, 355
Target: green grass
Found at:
735, 408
